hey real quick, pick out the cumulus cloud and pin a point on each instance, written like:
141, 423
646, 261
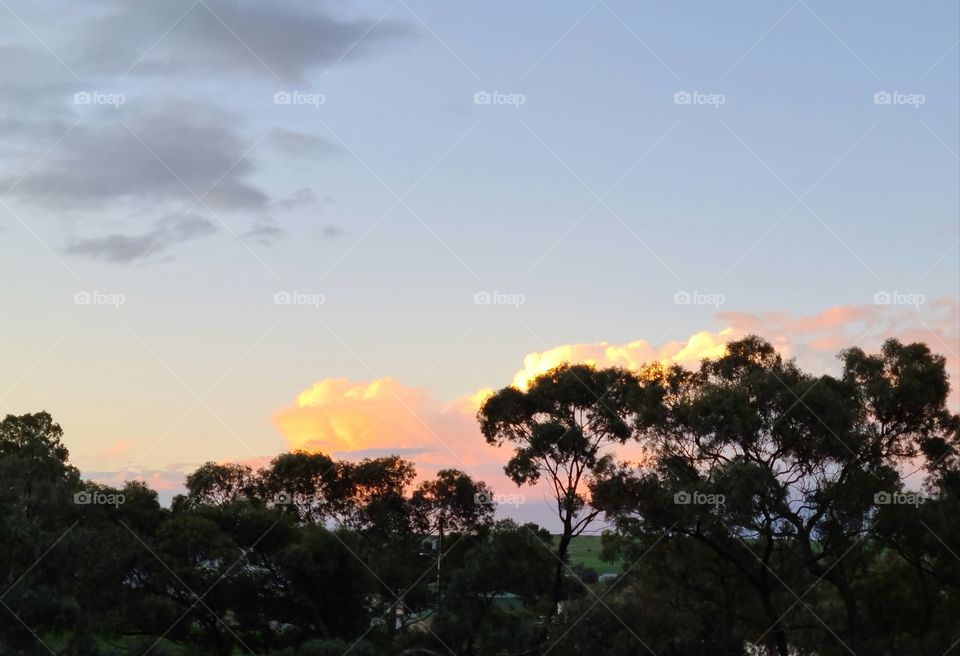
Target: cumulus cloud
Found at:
125, 249
342, 416
632, 355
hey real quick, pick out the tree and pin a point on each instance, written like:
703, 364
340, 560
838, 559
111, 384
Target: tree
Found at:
452, 501
215, 483
496, 592
795, 461
305, 483
36, 510
560, 429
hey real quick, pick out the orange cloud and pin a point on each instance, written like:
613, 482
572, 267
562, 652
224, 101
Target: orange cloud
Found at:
382, 416
343, 417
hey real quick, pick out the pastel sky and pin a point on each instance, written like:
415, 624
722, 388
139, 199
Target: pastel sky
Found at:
229, 228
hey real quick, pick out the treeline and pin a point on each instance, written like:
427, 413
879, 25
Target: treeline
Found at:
773, 512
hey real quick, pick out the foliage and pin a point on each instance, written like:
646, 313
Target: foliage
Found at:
778, 512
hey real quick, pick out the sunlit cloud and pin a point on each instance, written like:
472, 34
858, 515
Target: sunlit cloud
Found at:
341, 416
350, 418
632, 355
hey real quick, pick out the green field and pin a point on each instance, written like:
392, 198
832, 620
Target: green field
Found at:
585, 550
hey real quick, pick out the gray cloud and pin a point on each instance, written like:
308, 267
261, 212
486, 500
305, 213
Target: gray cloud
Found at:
332, 232
301, 144
283, 39
99, 168
163, 156
300, 198
126, 249
265, 232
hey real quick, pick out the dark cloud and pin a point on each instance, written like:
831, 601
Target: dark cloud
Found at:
170, 155
285, 40
127, 249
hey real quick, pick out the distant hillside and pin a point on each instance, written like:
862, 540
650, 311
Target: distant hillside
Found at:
585, 550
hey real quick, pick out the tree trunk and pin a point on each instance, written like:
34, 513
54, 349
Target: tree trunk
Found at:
562, 548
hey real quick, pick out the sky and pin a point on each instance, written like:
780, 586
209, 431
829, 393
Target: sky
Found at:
232, 228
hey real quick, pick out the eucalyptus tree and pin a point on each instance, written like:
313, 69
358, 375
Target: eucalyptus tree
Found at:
562, 428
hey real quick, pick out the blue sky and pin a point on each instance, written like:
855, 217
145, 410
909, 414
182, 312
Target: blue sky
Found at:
595, 196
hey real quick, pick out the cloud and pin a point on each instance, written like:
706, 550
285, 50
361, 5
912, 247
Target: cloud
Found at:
301, 197
182, 128
784, 322
630, 356
162, 480
125, 249
338, 415
283, 40
815, 339
332, 232
170, 155
301, 144
117, 450
265, 232
342, 416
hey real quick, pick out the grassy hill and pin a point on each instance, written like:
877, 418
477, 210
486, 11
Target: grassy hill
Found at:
585, 550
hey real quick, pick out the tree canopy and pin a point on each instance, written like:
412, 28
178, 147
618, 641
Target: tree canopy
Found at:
776, 512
